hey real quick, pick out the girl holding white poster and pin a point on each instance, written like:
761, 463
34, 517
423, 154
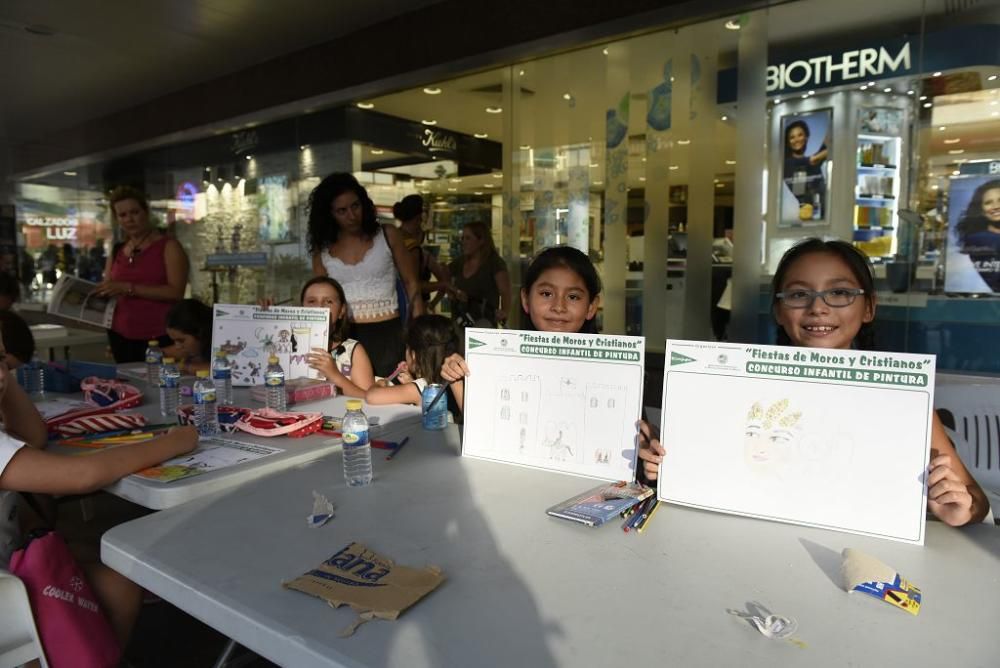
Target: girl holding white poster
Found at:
824, 297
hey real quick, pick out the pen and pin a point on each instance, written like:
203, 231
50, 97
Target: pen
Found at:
649, 516
437, 398
640, 514
398, 448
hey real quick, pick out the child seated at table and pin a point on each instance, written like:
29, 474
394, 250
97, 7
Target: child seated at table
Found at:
25, 467
189, 325
429, 340
345, 362
18, 337
823, 296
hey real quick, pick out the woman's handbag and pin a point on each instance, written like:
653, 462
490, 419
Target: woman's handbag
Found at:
73, 629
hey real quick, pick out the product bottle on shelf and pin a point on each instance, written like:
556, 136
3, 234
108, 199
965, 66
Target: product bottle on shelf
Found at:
169, 382
206, 412
222, 374
274, 381
357, 448
154, 360
33, 375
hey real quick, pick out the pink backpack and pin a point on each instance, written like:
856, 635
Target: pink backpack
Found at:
74, 631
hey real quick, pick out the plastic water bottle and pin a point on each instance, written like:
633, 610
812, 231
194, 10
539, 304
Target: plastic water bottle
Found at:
169, 382
357, 448
222, 374
274, 383
154, 360
206, 411
34, 378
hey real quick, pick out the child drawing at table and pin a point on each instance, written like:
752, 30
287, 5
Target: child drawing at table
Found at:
561, 293
345, 362
824, 297
189, 325
429, 340
26, 467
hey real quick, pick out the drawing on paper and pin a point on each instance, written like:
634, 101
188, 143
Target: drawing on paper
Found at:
771, 437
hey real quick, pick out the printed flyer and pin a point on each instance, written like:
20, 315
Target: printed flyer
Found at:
557, 401
835, 439
250, 334
212, 454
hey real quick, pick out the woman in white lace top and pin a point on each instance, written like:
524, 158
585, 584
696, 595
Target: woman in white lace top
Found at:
348, 244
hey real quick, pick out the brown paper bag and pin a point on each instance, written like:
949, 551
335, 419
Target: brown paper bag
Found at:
368, 582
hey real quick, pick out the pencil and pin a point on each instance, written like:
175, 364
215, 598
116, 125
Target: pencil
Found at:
640, 514
399, 370
444, 388
398, 448
649, 516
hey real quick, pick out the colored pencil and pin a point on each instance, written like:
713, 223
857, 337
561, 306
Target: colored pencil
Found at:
444, 388
399, 370
398, 448
648, 517
640, 514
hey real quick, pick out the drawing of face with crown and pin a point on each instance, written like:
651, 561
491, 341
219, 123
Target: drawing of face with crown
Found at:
770, 437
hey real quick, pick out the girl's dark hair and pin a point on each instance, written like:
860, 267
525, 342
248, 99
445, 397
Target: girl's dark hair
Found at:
323, 229
17, 336
853, 257
565, 257
122, 193
194, 318
338, 330
409, 208
431, 338
974, 220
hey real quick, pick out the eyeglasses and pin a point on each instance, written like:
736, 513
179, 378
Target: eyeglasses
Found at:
834, 297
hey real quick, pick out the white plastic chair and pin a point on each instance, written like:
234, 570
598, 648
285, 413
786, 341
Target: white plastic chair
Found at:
19, 641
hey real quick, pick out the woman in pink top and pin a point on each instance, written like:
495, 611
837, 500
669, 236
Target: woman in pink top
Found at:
348, 245
147, 273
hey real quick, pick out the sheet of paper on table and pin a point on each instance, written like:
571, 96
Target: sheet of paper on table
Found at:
836, 439
249, 334
50, 408
562, 402
73, 298
212, 454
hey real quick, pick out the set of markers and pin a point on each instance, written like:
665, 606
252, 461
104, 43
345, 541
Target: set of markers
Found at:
119, 437
638, 516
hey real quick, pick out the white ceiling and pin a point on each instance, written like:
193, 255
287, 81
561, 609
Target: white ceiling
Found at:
114, 54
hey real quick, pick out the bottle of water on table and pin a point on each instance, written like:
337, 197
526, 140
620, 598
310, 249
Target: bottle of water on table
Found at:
222, 374
357, 448
32, 376
154, 360
274, 383
169, 382
206, 412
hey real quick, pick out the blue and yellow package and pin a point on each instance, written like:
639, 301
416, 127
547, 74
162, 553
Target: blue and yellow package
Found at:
868, 575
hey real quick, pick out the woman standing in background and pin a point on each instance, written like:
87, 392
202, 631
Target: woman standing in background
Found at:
147, 272
480, 281
410, 214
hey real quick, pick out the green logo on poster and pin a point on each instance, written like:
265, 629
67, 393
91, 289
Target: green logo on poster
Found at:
677, 358
474, 343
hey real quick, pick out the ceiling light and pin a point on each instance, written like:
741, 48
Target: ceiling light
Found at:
909, 92
942, 128
995, 113
936, 74
644, 159
366, 105
377, 151
520, 73
777, 100
864, 86
69, 173
480, 135
923, 97
991, 77
956, 173
642, 178
494, 110
598, 183
927, 105
956, 151
730, 162
726, 118
871, 83
887, 90
952, 141
249, 157
812, 92
683, 142
594, 165
604, 51
455, 180
674, 168
489, 185
432, 91
497, 175
525, 147
567, 96
303, 147
733, 24
805, 95
478, 192
453, 190
720, 185
429, 122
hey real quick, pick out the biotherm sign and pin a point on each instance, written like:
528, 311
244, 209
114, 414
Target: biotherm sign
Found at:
833, 69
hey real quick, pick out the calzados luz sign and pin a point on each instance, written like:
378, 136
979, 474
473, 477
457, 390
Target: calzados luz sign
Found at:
834, 69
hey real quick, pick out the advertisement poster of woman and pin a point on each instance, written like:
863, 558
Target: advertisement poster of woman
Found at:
806, 141
973, 261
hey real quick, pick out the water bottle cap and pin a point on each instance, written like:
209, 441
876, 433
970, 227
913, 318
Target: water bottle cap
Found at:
221, 354
203, 373
273, 359
354, 404
168, 360
153, 343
